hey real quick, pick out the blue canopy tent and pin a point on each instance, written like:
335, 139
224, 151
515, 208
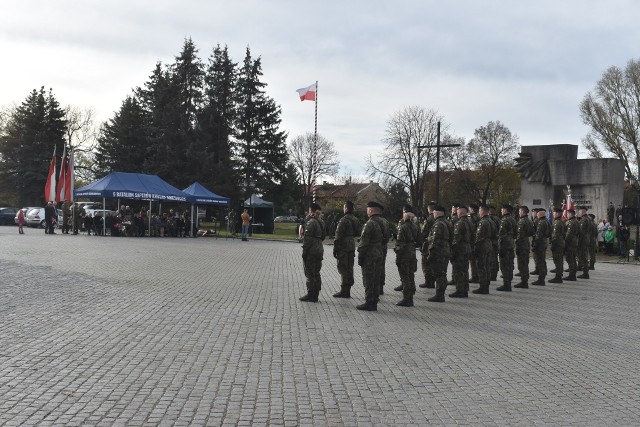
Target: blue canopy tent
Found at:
136, 186
199, 195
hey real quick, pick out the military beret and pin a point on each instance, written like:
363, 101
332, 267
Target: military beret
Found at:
439, 208
540, 209
592, 216
432, 203
407, 208
315, 207
508, 207
526, 208
559, 210
373, 204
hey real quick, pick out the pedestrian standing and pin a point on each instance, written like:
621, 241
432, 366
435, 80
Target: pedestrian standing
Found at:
313, 252
370, 257
571, 239
20, 221
427, 271
460, 253
344, 248
506, 239
523, 246
246, 221
484, 250
584, 242
539, 247
558, 232
440, 251
406, 260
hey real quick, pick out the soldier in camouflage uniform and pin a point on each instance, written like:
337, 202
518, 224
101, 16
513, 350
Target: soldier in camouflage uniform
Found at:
475, 219
523, 246
344, 248
593, 246
460, 251
484, 249
429, 276
558, 231
439, 244
370, 257
506, 237
584, 242
494, 243
539, 246
405, 249
571, 239
313, 252
386, 236
535, 220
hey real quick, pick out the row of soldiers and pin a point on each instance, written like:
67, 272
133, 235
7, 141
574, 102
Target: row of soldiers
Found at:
481, 241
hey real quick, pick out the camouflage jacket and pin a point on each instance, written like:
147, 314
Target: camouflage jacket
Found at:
558, 232
507, 233
463, 234
347, 229
314, 234
405, 247
370, 245
439, 241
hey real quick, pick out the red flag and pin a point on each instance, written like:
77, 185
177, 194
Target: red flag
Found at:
307, 93
566, 205
62, 181
50, 186
69, 183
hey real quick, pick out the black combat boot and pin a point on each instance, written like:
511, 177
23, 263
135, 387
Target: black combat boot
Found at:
504, 288
407, 301
459, 294
534, 272
368, 306
539, 282
429, 285
438, 297
344, 293
592, 266
553, 271
570, 278
584, 275
482, 290
398, 288
521, 285
518, 274
310, 297
557, 279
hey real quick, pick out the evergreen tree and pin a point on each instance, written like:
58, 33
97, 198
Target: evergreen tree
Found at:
27, 143
122, 144
215, 124
260, 146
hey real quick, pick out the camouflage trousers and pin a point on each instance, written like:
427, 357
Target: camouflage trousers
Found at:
485, 260
506, 264
407, 271
539, 257
522, 253
427, 270
345, 268
558, 259
312, 266
460, 271
370, 275
439, 265
495, 266
593, 250
381, 276
570, 253
583, 258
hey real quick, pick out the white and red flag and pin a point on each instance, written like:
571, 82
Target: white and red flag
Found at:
566, 205
50, 186
307, 93
62, 181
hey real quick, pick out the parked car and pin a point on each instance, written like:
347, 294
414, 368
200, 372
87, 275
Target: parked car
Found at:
35, 218
286, 218
25, 210
7, 215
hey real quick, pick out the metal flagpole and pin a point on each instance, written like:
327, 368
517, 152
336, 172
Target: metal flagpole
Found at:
315, 149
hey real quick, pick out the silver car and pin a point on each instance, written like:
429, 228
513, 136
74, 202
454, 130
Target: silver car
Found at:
35, 218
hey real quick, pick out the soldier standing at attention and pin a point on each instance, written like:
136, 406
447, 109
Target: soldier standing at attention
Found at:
584, 242
534, 219
429, 277
405, 249
484, 250
370, 257
539, 246
494, 243
460, 252
439, 251
312, 252
523, 246
386, 236
344, 248
475, 219
593, 245
571, 244
558, 232
506, 236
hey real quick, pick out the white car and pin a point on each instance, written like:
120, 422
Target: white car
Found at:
35, 218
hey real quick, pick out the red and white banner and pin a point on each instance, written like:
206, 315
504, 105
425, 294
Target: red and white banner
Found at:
307, 93
50, 186
62, 181
69, 179
566, 205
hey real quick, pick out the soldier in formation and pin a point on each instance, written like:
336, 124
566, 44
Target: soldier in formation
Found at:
584, 241
439, 247
483, 250
429, 277
460, 252
344, 248
370, 256
523, 246
313, 252
406, 260
539, 246
506, 238
571, 240
558, 232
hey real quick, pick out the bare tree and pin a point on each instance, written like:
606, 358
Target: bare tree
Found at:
402, 160
492, 149
613, 113
82, 137
309, 166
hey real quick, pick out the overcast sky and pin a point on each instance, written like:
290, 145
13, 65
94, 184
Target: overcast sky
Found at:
527, 64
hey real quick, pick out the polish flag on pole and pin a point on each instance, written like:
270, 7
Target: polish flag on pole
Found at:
69, 181
50, 186
566, 205
62, 181
307, 93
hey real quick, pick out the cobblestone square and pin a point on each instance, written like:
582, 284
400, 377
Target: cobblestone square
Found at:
167, 331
